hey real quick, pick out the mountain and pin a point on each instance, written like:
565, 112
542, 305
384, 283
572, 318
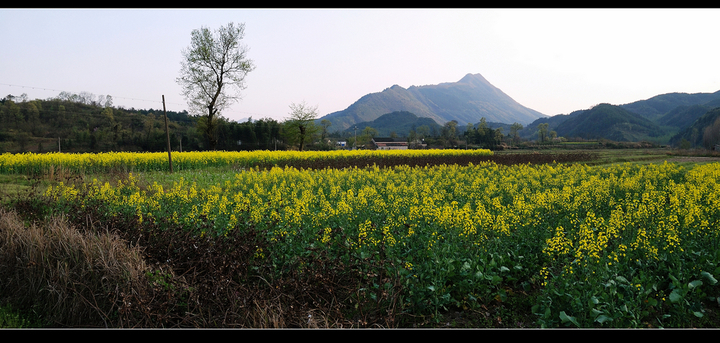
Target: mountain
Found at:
530, 130
609, 122
656, 119
683, 116
465, 101
657, 106
703, 132
400, 122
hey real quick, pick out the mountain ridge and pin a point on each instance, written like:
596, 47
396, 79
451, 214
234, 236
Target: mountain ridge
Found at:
466, 101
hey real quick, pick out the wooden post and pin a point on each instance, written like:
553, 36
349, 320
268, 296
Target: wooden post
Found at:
59, 144
167, 133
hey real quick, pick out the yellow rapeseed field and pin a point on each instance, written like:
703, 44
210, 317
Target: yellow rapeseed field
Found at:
611, 236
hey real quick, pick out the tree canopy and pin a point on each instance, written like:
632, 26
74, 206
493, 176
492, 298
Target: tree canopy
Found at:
213, 73
300, 125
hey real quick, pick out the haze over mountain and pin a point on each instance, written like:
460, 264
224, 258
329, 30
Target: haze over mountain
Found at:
466, 101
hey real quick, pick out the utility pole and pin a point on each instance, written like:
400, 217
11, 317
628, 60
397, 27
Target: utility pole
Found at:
355, 141
167, 133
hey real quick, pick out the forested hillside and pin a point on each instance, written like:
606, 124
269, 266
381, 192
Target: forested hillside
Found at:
611, 122
73, 123
705, 132
662, 119
400, 123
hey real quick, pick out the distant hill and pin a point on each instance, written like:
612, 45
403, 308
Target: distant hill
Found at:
683, 116
656, 119
657, 106
465, 101
696, 133
400, 122
530, 130
611, 122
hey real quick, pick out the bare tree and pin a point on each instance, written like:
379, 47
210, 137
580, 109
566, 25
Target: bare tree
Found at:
213, 73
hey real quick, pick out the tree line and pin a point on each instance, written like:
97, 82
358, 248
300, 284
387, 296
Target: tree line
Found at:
74, 123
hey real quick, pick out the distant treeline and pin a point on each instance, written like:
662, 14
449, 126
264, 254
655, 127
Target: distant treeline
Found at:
86, 123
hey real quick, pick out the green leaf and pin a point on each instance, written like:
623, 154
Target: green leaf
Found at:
622, 279
709, 277
693, 284
565, 318
504, 269
652, 302
698, 314
675, 295
603, 318
431, 288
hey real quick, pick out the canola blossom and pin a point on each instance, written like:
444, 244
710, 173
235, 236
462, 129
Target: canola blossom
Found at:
461, 235
31, 163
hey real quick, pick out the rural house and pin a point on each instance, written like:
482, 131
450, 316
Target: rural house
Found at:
388, 144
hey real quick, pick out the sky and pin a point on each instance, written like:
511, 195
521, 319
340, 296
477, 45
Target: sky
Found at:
554, 61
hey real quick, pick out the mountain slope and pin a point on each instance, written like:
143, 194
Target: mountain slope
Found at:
530, 130
708, 123
472, 98
465, 101
400, 122
657, 106
609, 122
683, 116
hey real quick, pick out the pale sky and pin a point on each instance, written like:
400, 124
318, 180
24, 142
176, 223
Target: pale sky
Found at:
554, 61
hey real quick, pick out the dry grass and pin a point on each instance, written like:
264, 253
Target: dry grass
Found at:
74, 278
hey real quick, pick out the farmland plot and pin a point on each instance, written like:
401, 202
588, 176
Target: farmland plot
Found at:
605, 246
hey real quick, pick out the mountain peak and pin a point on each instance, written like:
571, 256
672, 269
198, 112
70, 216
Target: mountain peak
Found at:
466, 101
474, 79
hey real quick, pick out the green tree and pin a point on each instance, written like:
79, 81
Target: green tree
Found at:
324, 124
13, 112
300, 125
367, 134
423, 131
213, 73
449, 133
711, 134
370, 132
33, 116
514, 131
543, 132
498, 135
22, 138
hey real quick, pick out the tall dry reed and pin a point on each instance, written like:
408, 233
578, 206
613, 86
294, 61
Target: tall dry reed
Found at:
72, 278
